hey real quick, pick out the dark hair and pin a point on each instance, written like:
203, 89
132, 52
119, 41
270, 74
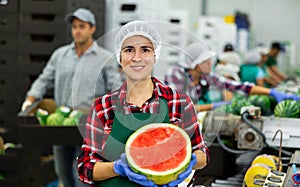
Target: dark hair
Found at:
228, 47
276, 45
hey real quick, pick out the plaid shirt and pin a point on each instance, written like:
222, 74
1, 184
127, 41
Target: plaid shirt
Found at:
101, 117
179, 78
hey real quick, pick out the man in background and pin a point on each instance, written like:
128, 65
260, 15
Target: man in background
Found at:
74, 70
271, 63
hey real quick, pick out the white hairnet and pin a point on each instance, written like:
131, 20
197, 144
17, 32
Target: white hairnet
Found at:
263, 50
231, 58
228, 70
140, 28
252, 57
196, 53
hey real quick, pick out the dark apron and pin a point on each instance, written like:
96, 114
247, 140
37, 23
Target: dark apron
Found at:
123, 126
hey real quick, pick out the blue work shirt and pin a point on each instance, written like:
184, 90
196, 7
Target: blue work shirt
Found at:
77, 80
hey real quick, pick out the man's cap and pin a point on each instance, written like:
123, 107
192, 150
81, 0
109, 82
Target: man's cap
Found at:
82, 14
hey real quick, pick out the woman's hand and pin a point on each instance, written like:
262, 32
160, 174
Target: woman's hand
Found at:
184, 174
279, 96
121, 167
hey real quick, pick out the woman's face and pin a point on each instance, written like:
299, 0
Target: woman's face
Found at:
137, 57
204, 67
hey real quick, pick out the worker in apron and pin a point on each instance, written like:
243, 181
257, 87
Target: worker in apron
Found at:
142, 99
197, 65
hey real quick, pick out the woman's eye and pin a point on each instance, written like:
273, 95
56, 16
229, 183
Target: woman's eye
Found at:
128, 50
146, 50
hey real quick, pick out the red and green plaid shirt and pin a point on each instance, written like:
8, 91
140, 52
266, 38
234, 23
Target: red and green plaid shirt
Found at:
101, 117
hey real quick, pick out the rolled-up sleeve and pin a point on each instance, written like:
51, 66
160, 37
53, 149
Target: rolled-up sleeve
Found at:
234, 86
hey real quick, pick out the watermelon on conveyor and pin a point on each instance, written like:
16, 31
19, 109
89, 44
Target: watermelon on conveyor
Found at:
238, 102
288, 109
224, 109
261, 101
159, 151
273, 103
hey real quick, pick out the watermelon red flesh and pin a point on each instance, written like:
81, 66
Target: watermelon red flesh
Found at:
161, 152
159, 149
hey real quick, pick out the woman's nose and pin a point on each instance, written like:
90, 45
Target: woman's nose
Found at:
137, 56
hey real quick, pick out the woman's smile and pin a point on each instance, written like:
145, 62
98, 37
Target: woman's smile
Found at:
137, 67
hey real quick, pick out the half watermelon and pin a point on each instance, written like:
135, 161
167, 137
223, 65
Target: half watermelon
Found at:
160, 151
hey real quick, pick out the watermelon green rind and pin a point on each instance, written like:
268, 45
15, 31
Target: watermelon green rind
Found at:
76, 114
287, 108
70, 121
238, 102
159, 177
162, 179
224, 109
261, 101
63, 110
42, 116
273, 103
55, 119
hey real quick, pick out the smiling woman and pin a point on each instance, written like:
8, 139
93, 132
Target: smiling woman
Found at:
137, 58
141, 100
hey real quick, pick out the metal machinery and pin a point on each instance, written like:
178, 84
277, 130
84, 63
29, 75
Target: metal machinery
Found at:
250, 131
253, 132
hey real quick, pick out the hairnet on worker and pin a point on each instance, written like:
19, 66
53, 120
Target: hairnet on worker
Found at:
263, 50
252, 57
230, 65
228, 70
141, 28
231, 58
195, 54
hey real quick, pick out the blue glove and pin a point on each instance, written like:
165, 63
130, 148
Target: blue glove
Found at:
279, 96
184, 174
121, 167
220, 103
